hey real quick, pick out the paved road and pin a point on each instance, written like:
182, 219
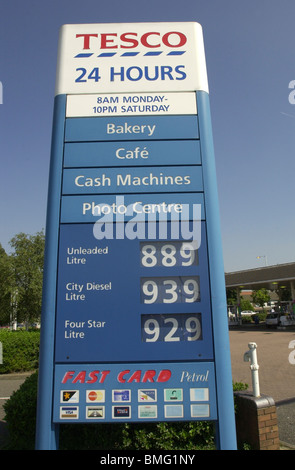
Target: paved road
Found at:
276, 373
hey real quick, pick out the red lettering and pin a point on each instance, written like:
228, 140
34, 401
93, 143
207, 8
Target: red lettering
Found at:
121, 376
135, 377
130, 40
68, 375
93, 376
104, 374
124, 38
182, 39
164, 375
149, 376
80, 377
144, 38
105, 41
86, 37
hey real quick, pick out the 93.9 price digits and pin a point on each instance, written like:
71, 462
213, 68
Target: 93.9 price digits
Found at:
177, 289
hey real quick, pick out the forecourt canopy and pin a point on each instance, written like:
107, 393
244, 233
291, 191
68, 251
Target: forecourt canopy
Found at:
134, 320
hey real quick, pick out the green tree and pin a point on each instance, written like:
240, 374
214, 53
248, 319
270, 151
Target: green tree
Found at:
6, 287
246, 304
232, 297
27, 261
260, 297
284, 294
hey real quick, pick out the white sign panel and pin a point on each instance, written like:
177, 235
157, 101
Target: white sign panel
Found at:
131, 104
131, 57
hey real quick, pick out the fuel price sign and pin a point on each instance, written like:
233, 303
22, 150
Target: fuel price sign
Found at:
134, 323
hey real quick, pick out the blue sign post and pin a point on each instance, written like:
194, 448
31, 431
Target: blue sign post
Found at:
134, 319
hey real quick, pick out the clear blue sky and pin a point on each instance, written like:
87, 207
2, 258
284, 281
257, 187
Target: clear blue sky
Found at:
250, 61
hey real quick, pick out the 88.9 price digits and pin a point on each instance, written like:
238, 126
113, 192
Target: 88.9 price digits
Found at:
168, 254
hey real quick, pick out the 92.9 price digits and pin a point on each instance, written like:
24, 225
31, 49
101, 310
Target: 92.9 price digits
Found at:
171, 328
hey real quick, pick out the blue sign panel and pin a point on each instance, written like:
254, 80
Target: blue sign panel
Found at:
147, 153
132, 180
131, 128
140, 207
160, 310
141, 392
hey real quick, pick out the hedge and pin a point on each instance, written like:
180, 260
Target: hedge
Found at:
20, 350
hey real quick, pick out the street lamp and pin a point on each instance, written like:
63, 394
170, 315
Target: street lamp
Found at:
265, 259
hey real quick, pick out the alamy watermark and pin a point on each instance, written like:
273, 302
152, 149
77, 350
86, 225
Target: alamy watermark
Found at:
292, 93
292, 353
146, 221
291, 99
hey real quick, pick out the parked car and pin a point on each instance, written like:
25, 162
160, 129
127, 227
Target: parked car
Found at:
272, 319
280, 319
247, 312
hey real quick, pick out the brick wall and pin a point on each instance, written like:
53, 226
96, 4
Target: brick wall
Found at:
268, 428
256, 422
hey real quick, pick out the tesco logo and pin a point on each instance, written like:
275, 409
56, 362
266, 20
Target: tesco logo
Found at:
130, 40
